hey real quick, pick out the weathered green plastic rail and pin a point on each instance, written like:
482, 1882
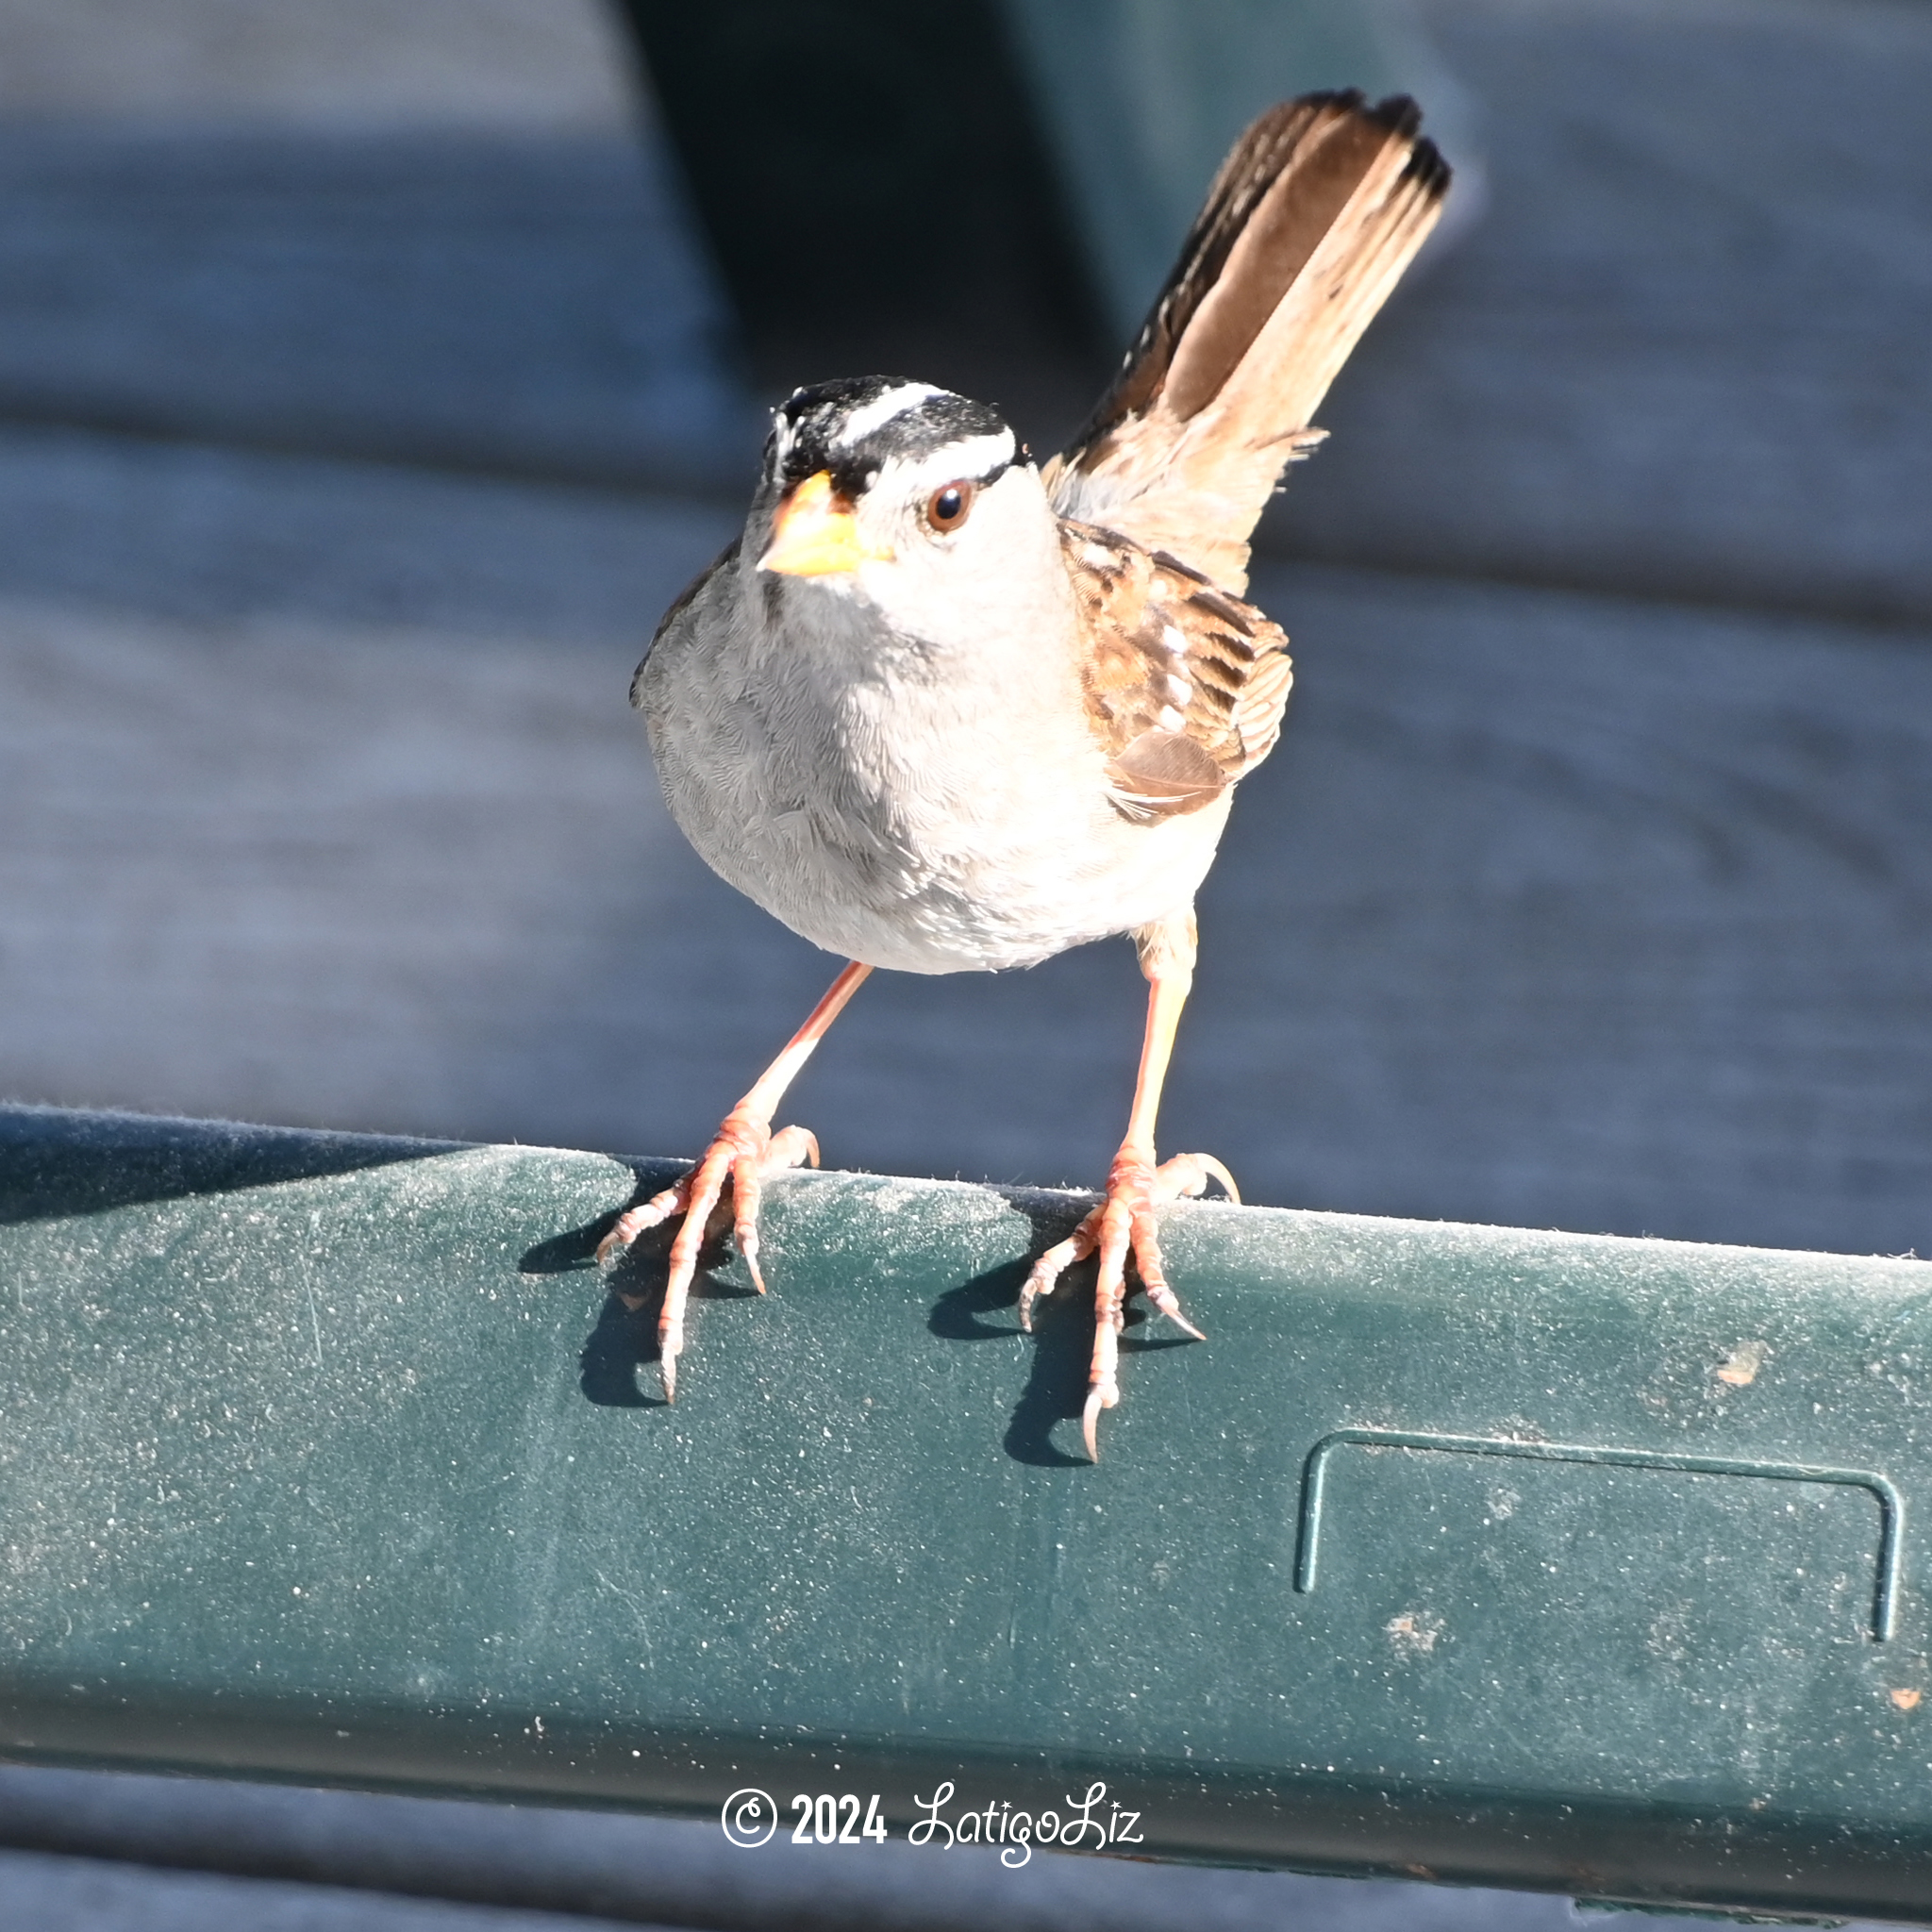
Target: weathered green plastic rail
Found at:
1520, 1558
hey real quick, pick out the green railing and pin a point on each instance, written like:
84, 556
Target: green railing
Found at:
332, 1458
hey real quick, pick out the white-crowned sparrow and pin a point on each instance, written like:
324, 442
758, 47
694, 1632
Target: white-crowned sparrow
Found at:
941, 710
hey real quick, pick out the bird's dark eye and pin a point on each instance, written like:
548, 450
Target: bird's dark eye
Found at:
945, 509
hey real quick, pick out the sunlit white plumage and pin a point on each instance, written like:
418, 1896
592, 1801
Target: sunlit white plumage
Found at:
940, 711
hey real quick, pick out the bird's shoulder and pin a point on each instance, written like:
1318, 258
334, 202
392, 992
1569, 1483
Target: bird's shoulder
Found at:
1185, 685
723, 563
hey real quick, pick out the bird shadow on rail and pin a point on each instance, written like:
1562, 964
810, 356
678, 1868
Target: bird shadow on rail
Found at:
1061, 1343
1059, 1351
624, 1340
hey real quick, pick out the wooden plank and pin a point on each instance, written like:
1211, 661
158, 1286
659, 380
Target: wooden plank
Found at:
1549, 910
1682, 355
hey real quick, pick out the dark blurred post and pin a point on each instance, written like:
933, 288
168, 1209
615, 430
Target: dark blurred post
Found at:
876, 188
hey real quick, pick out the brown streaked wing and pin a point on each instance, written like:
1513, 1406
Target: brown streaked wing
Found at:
1184, 685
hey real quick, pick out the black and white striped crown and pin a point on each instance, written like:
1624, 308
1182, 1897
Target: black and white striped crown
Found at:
854, 427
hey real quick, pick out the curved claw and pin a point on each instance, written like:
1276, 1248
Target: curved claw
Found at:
1145, 1243
634, 1221
739, 1139
790, 1147
1097, 1399
1047, 1271
1124, 1226
742, 1153
746, 1192
1191, 1173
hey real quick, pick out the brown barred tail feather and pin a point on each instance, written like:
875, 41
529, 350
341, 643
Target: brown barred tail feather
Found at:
1307, 226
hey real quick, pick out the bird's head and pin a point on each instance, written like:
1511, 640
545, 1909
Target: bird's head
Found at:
917, 500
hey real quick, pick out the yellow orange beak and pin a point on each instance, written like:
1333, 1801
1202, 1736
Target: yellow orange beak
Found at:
815, 533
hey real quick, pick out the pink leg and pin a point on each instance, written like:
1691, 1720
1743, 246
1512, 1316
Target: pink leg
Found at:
1126, 1223
743, 1150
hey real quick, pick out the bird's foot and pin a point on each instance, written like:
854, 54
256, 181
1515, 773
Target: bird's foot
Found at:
1124, 1225
742, 1153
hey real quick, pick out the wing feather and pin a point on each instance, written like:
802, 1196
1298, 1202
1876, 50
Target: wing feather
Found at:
1184, 685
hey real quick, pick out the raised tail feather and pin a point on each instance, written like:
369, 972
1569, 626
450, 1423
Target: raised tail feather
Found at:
1307, 226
